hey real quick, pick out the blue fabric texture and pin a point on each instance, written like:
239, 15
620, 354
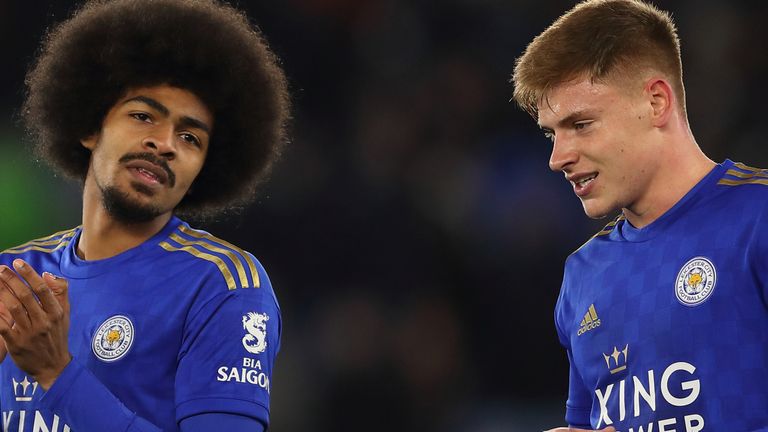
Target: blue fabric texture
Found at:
181, 325
665, 326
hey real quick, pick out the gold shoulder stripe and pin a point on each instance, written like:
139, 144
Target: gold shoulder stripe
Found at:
50, 239
66, 233
729, 182
747, 167
22, 249
48, 242
238, 265
244, 254
609, 227
606, 230
45, 241
749, 175
208, 257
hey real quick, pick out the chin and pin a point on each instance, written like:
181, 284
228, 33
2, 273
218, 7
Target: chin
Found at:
596, 211
128, 209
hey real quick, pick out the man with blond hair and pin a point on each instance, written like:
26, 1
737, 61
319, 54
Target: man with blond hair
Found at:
663, 312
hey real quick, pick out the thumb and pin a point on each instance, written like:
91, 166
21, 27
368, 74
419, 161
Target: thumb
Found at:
59, 286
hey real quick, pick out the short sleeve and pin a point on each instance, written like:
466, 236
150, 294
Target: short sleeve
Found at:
228, 354
579, 403
757, 247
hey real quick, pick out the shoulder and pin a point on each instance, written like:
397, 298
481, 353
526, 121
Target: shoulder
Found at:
589, 258
743, 179
742, 196
200, 251
43, 245
594, 241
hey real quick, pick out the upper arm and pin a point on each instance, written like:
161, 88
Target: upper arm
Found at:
227, 356
579, 404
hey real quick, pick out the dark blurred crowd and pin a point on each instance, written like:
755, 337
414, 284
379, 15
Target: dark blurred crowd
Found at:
413, 232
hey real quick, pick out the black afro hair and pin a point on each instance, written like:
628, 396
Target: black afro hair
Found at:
87, 63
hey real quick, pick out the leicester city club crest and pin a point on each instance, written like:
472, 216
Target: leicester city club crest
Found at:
113, 338
695, 281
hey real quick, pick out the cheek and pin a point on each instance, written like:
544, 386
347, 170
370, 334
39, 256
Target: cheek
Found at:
97, 160
192, 171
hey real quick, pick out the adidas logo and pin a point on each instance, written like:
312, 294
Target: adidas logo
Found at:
589, 322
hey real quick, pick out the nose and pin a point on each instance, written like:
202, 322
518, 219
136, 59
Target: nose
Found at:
563, 155
161, 141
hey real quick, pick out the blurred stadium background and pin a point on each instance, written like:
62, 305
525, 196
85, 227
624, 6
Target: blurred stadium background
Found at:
413, 232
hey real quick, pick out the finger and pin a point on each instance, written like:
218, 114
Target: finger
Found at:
29, 290
60, 288
47, 300
10, 300
7, 319
3, 349
6, 332
5, 314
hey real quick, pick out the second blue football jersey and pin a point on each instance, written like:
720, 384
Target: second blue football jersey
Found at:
665, 326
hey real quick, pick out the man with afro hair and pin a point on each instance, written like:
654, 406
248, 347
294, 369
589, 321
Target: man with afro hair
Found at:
134, 321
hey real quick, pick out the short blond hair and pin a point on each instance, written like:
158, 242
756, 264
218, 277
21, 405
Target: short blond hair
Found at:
599, 40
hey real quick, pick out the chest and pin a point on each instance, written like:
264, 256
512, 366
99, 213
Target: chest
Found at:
645, 307
121, 326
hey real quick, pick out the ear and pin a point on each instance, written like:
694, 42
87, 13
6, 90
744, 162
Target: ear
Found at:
662, 99
90, 141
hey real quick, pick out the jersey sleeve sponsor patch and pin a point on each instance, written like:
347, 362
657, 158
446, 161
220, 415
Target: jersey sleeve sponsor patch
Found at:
251, 370
232, 346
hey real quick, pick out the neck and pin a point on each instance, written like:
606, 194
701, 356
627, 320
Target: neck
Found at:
104, 237
682, 165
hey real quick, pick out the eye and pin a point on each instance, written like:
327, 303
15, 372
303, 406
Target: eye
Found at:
190, 138
141, 116
549, 135
579, 125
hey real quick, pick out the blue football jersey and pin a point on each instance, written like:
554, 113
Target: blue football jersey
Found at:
666, 327
180, 325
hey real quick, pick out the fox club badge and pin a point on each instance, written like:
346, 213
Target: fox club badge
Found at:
113, 339
695, 281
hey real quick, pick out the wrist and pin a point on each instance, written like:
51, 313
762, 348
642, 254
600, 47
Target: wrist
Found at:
46, 378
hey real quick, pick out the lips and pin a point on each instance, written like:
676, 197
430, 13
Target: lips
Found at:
148, 171
583, 183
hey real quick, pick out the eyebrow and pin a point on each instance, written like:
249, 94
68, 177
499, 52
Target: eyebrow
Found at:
184, 121
570, 118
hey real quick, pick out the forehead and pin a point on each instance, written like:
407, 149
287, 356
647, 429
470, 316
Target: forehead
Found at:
582, 95
178, 101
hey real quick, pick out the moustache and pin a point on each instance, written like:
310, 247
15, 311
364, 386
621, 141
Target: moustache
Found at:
149, 157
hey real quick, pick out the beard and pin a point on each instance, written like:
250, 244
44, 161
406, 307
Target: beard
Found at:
126, 210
